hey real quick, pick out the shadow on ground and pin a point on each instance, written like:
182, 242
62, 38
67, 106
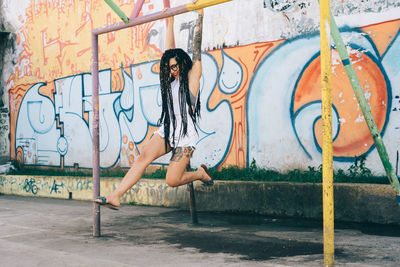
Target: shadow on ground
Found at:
231, 233
217, 233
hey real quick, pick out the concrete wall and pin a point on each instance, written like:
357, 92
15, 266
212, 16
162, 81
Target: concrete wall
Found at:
353, 202
6, 44
260, 88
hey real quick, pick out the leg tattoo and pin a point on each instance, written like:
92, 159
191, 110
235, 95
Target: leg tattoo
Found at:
179, 152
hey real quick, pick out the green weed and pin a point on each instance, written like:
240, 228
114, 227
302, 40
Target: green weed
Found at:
356, 173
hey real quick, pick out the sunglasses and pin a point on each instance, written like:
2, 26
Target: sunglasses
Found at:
174, 67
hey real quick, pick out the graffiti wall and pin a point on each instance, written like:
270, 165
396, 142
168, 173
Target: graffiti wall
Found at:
260, 95
153, 192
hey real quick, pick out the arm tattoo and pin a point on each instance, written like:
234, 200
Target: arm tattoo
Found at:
197, 39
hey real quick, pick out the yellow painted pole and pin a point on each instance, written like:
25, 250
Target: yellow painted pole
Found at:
204, 3
327, 158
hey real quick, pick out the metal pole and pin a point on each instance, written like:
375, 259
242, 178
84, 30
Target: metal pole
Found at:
167, 4
192, 200
158, 15
117, 10
95, 134
95, 84
204, 3
136, 9
327, 156
369, 119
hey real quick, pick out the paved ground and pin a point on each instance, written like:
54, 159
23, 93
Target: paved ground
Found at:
52, 232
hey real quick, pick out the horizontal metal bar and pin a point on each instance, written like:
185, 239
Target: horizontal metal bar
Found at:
158, 15
204, 3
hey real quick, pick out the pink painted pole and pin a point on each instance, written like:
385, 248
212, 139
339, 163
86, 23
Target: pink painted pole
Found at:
167, 4
95, 134
136, 9
141, 20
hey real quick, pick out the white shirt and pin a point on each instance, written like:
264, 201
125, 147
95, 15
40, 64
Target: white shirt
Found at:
190, 139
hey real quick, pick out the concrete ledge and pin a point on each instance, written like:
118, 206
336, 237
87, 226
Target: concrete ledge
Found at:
353, 202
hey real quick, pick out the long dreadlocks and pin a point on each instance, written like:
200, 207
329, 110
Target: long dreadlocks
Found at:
185, 64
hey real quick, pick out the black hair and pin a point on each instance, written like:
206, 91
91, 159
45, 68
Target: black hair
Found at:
185, 65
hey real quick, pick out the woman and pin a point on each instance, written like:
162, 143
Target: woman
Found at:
180, 83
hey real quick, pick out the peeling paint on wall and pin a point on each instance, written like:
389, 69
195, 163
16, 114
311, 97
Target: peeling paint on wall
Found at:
5, 45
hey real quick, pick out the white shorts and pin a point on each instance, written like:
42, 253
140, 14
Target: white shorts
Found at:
190, 139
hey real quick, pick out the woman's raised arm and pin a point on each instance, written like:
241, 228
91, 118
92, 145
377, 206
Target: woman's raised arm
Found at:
195, 72
169, 39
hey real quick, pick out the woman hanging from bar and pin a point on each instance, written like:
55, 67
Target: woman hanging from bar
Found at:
180, 84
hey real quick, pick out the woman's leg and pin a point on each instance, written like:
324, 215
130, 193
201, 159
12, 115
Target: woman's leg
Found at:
154, 149
177, 174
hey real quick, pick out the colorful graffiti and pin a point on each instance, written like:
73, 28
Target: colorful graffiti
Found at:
146, 192
259, 101
47, 186
287, 84
59, 133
